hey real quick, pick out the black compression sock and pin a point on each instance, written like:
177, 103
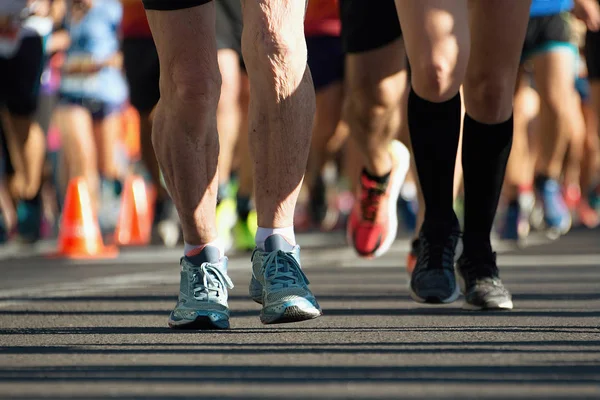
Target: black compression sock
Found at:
434, 133
485, 153
243, 206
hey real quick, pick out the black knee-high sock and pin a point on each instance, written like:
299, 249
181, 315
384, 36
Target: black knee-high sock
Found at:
434, 133
485, 153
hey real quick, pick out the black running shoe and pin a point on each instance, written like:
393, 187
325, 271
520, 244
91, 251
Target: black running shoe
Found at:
481, 284
433, 280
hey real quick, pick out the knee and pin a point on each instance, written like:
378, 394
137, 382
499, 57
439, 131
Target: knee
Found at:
191, 84
274, 50
489, 96
370, 106
437, 79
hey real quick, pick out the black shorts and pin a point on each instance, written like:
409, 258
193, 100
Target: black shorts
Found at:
368, 24
142, 71
20, 77
592, 55
229, 25
547, 33
325, 59
172, 4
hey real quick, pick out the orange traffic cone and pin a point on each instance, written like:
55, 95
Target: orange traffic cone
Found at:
134, 227
79, 235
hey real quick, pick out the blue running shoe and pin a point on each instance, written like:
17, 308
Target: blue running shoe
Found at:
556, 213
280, 285
510, 228
203, 293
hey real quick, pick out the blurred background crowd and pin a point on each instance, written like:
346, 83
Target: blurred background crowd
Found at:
79, 80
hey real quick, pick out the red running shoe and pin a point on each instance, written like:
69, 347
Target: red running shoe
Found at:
373, 222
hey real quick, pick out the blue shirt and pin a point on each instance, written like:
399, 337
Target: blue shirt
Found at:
540, 8
95, 38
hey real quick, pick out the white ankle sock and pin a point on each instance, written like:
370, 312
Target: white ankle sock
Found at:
192, 249
263, 233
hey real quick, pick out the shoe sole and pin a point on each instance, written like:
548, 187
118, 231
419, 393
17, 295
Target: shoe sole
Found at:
201, 323
491, 306
436, 299
457, 289
291, 314
401, 153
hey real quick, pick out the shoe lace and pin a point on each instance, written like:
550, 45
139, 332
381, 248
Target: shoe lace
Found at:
370, 199
283, 271
432, 253
208, 280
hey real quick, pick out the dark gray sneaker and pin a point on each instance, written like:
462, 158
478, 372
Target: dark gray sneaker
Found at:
480, 282
433, 280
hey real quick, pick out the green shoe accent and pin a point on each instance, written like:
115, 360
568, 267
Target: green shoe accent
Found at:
244, 233
226, 219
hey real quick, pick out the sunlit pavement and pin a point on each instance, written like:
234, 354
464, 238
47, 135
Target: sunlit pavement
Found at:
98, 329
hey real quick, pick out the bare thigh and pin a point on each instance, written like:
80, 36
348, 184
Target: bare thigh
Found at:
77, 131
106, 134
436, 33
374, 84
79, 149
497, 35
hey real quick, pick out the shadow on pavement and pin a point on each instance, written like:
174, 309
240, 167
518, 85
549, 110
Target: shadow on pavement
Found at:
312, 374
335, 312
288, 396
134, 330
489, 347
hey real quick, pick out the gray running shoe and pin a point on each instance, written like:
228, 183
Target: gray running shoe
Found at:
481, 284
433, 280
280, 285
202, 292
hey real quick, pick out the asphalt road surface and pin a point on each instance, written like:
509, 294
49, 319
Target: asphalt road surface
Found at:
99, 330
